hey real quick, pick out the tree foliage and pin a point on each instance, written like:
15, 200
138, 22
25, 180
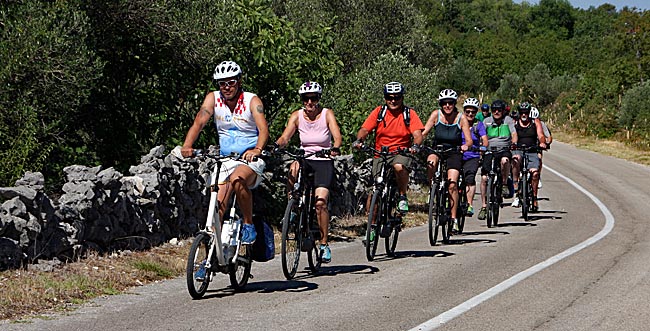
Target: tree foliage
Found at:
101, 82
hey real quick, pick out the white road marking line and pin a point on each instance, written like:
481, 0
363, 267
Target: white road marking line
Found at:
480, 298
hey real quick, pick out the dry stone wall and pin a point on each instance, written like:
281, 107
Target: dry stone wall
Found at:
161, 198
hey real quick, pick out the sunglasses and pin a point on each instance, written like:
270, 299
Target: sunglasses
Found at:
229, 83
471, 112
447, 103
392, 97
312, 98
496, 109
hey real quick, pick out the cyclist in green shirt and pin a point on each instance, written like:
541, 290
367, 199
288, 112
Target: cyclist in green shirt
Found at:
501, 134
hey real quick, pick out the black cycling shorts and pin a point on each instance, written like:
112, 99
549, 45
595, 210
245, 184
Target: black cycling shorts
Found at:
323, 172
455, 160
487, 161
470, 167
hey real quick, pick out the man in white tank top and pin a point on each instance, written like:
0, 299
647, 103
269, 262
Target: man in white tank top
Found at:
242, 127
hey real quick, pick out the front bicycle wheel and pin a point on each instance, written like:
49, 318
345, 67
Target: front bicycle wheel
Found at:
394, 223
462, 210
240, 271
291, 239
372, 228
490, 201
445, 218
198, 278
433, 219
494, 203
525, 195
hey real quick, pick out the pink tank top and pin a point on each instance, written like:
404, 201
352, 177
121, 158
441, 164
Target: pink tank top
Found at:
315, 135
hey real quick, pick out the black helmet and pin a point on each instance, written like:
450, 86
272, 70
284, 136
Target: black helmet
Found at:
525, 106
485, 106
498, 104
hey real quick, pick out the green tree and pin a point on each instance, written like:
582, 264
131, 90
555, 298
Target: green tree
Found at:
47, 75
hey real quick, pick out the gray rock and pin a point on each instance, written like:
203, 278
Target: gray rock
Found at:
34, 180
76, 173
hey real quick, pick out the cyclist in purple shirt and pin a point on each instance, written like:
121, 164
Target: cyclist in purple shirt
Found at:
471, 158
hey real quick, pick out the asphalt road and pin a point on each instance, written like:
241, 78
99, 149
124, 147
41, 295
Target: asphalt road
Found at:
563, 270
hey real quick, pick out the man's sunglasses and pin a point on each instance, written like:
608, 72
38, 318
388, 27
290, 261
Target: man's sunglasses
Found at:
392, 97
497, 109
227, 83
307, 98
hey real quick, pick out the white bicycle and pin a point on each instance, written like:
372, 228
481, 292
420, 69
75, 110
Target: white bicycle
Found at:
217, 247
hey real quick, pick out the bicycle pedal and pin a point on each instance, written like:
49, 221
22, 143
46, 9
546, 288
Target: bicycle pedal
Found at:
386, 230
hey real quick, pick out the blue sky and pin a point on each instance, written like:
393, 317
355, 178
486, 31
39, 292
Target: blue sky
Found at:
585, 4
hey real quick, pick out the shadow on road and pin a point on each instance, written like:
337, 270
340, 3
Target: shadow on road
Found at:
460, 241
477, 233
513, 224
327, 270
403, 254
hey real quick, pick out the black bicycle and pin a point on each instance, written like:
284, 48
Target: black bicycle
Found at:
384, 220
525, 194
300, 229
462, 202
439, 202
494, 194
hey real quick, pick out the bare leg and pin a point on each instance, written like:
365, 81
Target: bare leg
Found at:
402, 177
322, 214
453, 175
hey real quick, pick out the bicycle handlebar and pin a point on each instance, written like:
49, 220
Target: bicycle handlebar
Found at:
300, 153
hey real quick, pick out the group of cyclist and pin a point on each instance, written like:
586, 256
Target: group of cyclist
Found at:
243, 129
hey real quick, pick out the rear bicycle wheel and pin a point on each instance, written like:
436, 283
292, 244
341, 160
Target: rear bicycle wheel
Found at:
433, 220
291, 239
240, 270
372, 229
197, 284
314, 254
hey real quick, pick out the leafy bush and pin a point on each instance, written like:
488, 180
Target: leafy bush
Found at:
635, 110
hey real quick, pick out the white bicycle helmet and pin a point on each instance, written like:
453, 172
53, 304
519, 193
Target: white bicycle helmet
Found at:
448, 94
534, 113
394, 88
310, 87
226, 69
471, 102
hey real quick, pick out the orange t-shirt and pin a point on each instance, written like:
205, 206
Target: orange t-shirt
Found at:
392, 131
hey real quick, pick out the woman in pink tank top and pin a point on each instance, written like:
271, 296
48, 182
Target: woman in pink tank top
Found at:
317, 127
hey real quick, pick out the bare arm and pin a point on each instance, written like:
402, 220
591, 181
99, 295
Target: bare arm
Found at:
257, 109
464, 126
292, 125
334, 129
430, 123
540, 133
202, 118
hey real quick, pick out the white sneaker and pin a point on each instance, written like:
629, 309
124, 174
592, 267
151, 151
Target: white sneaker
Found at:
539, 184
515, 202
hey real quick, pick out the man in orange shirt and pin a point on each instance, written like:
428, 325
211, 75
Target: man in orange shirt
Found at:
397, 126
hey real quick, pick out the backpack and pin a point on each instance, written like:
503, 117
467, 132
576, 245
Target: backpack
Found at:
264, 245
406, 114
